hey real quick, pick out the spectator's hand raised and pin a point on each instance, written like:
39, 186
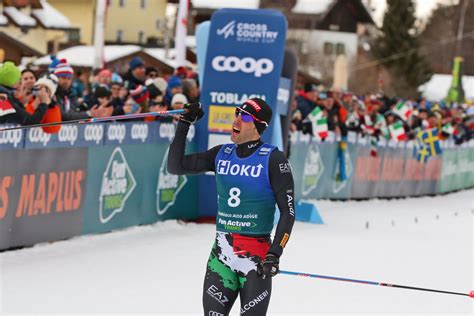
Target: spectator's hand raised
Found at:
43, 95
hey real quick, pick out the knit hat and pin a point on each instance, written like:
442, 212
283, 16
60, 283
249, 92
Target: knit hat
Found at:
116, 79
102, 92
9, 74
50, 81
179, 98
105, 73
63, 69
136, 62
156, 86
259, 109
174, 82
54, 63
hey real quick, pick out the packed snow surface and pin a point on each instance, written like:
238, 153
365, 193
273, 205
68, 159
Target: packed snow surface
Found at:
159, 269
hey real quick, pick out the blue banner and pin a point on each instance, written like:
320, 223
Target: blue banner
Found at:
244, 59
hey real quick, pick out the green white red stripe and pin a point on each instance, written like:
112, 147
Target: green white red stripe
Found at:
402, 110
397, 132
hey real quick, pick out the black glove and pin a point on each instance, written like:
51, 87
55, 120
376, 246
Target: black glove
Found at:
269, 267
193, 114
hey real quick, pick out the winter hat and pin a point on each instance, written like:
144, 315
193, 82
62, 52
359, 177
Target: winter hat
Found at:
174, 82
179, 98
9, 74
50, 81
116, 78
54, 63
102, 92
156, 86
105, 73
259, 109
63, 69
136, 62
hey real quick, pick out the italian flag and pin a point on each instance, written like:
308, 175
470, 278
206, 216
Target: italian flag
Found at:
449, 129
402, 110
320, 127
316, 114
397, 131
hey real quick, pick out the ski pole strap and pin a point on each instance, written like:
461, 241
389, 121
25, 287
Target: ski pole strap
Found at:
327, 277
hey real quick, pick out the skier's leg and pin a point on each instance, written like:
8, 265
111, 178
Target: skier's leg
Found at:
255, 295
221, 286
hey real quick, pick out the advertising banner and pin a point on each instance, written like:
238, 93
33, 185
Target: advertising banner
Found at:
244, 59
42, 194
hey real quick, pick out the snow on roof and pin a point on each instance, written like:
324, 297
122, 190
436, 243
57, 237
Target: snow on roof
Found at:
3, 19
437, 88
19, 17
312, 6
216, 4
83, 56
160, 54
50, 17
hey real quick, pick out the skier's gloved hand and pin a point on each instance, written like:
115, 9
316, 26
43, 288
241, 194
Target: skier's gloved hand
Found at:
269, 266
193, 114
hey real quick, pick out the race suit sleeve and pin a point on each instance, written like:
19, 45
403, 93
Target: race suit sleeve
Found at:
179, 163
281, 180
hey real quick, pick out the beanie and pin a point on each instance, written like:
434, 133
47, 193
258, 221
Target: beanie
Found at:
105, 73
54, 63
261, 110
102, 92
63, 69
179, 98
156, 86
174, 82
136, 62
50, 81
9, 74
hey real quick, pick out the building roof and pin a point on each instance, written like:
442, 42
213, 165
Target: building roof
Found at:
437, 88
215, 4
51, 18
18, 17
3, 19
26, 50
83, 55
312, 6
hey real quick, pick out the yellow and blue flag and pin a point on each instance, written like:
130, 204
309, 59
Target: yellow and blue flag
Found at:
427, 144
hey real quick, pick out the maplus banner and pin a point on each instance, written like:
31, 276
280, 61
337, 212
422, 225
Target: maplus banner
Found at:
244, 59
42, 193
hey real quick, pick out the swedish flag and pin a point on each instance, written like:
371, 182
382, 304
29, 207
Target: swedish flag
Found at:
427, 144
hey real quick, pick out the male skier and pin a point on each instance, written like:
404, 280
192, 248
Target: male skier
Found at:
252, 177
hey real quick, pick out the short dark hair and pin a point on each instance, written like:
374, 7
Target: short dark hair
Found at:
30, 71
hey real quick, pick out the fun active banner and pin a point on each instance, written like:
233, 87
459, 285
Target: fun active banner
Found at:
89, 179
243, 59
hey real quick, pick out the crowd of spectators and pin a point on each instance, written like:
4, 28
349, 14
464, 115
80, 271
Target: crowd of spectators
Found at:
377, 115
61, 94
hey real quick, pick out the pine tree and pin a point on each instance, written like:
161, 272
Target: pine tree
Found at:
398, 48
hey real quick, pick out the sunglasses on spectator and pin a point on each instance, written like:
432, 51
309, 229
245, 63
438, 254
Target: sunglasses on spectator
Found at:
247, 117
153, 75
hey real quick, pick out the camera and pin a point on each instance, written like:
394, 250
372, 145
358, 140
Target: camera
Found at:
34, 91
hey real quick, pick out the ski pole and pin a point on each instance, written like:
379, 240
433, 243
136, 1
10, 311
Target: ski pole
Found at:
327, 277
100, 119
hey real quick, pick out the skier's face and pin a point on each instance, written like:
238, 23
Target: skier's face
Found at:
243, 129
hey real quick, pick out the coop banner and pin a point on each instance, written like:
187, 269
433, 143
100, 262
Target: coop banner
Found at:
244, 59
42, 195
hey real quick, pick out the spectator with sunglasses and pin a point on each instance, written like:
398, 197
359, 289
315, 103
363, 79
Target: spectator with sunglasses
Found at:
251, 177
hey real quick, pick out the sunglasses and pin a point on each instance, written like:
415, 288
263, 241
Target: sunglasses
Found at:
247, 117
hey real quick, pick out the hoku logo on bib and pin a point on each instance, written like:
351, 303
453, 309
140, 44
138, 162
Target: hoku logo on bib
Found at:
313, 169
118, 184
168, 188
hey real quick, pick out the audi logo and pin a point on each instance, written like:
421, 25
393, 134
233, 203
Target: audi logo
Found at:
11, 137
117, 132
94, 133
68, 134
36, 135
140, 131
247, 65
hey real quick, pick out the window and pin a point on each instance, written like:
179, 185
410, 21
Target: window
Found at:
143, 4
119, 36
141, 37
340, 49
328, 48
122, 3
